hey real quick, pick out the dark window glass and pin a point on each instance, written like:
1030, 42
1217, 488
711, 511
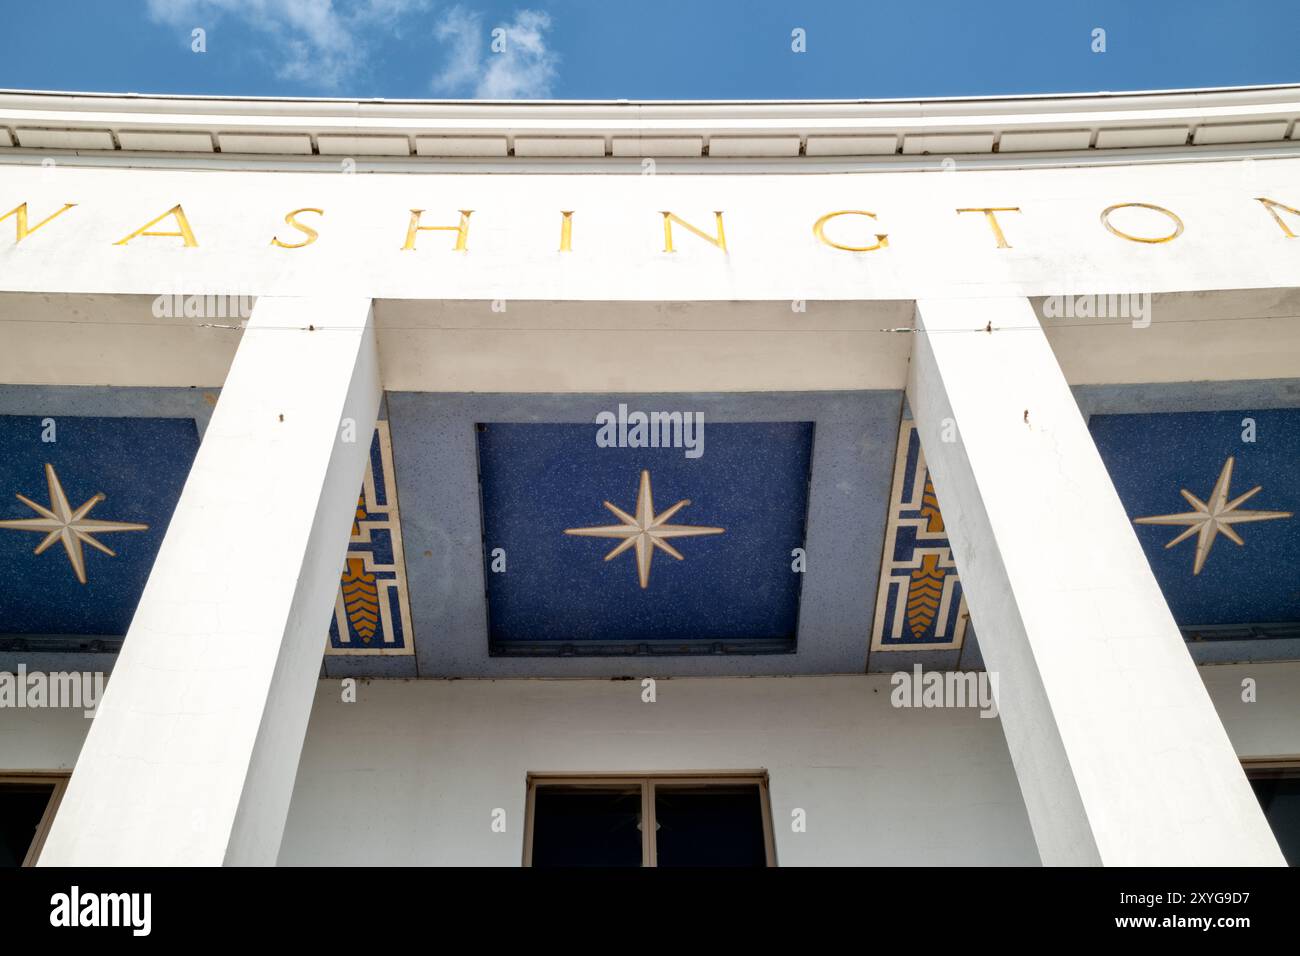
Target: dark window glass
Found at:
21, 807
586, 827
709, 826
1279, 796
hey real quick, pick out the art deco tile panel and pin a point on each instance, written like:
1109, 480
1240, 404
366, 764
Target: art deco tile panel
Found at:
920, 603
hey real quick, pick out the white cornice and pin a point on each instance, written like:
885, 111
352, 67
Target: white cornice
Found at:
1082, 123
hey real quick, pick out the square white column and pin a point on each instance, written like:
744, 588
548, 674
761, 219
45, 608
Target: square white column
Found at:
193, 754
1120, 755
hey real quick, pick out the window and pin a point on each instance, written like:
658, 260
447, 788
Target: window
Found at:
1277, 785
687, 820
27, 806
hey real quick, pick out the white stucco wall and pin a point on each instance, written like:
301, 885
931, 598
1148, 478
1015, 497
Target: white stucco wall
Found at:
1268, 727
411, 772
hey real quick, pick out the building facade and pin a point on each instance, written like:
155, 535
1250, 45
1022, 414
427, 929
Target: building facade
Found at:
650, 483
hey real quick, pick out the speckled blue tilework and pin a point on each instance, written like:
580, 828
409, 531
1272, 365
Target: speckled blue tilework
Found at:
1153, 457
733, 588
139, 465
448, 548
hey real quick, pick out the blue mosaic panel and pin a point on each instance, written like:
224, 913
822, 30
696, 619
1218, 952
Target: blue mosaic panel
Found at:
371, 612
543, 491
102, 485
920, 603
1176, 470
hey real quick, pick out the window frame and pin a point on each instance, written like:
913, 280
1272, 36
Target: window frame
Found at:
59, 780
646, 783
1262, 768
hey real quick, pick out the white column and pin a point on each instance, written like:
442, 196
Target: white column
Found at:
1120, 755
192, 756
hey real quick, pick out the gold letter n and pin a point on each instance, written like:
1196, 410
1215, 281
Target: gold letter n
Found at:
20, 219
669, 218
1272, 205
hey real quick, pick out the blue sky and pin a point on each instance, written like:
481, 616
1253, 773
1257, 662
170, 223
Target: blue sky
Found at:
666, 49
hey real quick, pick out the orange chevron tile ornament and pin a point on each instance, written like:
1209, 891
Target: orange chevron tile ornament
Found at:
920, 603
371, 612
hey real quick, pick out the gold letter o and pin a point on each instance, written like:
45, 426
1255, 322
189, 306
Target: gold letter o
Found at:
1105, 221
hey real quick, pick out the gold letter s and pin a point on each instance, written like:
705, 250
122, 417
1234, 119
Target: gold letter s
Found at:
311, 234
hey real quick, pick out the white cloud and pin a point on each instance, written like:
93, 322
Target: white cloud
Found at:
316, 42
461, 35
520, 67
